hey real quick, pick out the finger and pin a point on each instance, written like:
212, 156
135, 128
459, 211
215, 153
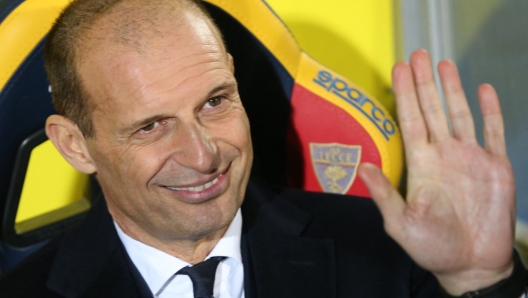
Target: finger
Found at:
386, 197
428, 96
410, 117
459, 112
493, 122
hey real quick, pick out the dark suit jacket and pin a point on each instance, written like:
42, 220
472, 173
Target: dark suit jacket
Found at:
294, 244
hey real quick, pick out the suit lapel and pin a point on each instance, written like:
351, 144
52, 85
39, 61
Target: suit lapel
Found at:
91, 261
278, 262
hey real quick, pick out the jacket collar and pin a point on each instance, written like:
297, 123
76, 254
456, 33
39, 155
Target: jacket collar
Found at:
278, 261
91, 260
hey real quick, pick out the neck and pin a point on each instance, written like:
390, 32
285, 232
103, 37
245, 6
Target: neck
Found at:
190, 250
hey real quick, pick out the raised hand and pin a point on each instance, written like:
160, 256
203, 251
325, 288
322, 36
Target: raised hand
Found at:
458, 218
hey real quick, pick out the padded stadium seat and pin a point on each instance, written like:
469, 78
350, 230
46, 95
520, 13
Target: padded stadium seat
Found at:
311, 127
328, 123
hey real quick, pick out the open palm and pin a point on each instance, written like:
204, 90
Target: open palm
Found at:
458, 217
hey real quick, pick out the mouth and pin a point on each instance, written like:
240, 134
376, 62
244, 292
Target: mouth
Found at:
202, 191
199, 187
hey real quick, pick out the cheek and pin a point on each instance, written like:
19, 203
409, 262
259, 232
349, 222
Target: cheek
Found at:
128, 168
140, 166
236, 133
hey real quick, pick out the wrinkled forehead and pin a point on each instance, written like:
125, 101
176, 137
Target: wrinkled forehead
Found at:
145, 28
136, 62
125, 44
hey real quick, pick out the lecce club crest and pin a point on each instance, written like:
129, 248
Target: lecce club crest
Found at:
335, 165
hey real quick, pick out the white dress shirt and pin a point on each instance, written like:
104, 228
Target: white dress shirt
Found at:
157, 267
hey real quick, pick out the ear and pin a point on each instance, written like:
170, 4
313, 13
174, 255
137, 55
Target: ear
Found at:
231, 63
70, 142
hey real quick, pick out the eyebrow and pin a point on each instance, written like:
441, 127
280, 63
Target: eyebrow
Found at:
147, 121
221, 87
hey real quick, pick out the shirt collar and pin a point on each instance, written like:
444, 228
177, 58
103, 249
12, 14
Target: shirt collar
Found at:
156, 266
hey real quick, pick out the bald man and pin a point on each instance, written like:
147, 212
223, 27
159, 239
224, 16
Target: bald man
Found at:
148, 103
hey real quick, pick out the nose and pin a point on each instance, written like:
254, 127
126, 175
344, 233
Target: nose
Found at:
196, 150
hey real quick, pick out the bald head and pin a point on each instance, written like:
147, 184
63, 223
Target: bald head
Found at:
88, 25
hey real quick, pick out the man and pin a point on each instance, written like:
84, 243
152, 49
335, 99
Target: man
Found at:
148, 103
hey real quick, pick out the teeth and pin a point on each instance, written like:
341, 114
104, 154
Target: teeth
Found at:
196, 188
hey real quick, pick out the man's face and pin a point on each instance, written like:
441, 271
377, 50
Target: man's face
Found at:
172, 147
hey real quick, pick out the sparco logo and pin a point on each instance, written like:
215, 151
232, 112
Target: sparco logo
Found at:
357, 100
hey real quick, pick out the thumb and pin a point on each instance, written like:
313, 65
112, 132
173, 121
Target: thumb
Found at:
386, 197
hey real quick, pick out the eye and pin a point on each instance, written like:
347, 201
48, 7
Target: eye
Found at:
150, 127
213, 102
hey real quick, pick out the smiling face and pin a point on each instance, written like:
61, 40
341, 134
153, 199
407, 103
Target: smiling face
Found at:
172, 148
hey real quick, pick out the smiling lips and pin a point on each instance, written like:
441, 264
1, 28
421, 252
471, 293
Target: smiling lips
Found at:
201, 193
197, 188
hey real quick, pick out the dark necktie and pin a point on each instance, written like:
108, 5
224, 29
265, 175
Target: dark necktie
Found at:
202, 276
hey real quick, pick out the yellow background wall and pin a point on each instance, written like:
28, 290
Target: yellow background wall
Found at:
354, 37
